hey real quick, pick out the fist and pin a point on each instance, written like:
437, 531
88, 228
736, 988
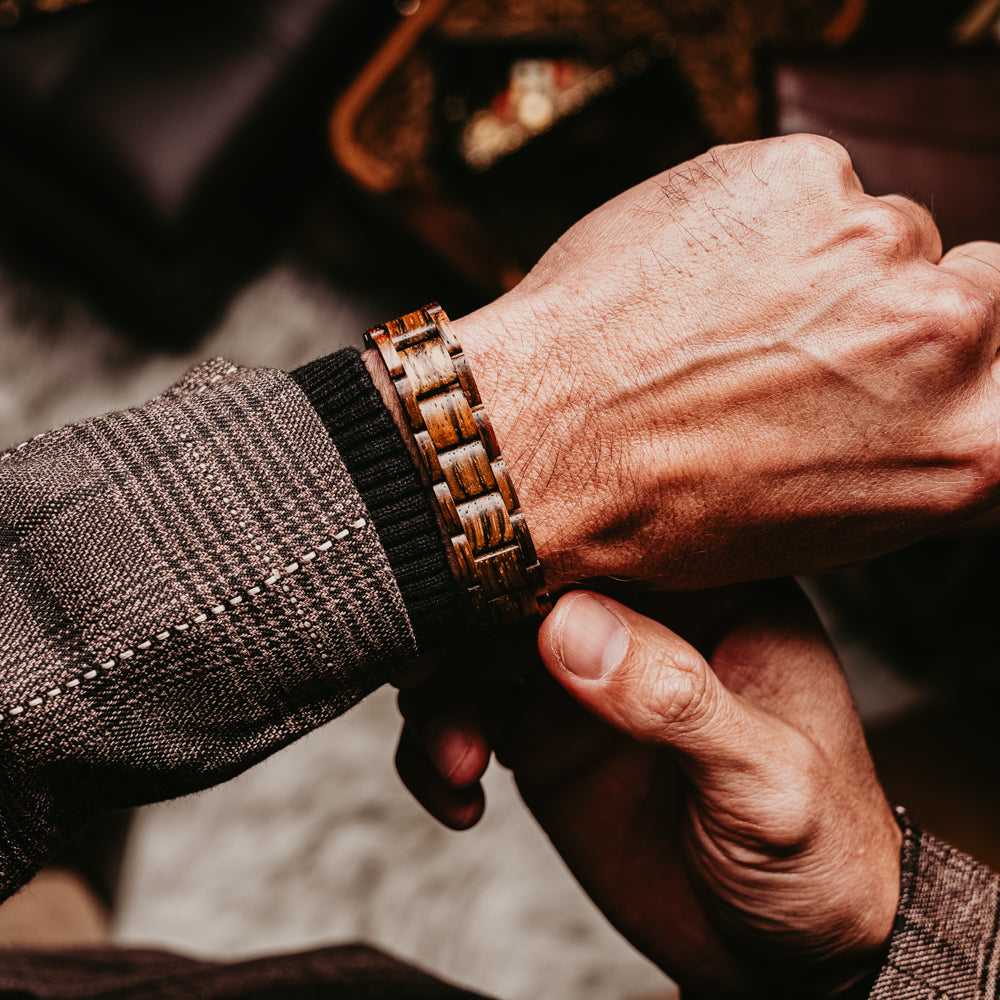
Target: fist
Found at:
744, 367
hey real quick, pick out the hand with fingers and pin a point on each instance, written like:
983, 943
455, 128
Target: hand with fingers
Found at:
743, 368
719, 806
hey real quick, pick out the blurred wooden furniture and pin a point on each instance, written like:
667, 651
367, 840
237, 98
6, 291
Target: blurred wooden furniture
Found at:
152, 151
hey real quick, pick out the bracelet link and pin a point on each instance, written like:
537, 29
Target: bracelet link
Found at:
461, 463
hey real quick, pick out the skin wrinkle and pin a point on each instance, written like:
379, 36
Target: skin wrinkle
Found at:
536, 453
530, 459
788, 875
766, 844
779, 866
736, 844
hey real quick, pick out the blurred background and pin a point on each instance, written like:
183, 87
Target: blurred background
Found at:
263, 179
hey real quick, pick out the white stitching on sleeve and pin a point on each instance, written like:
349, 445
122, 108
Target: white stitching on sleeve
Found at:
89, 673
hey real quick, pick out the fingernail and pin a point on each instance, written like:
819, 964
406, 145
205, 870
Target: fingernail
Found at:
592, 640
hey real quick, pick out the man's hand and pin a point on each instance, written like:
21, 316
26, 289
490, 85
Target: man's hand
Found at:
744, 367
722, 810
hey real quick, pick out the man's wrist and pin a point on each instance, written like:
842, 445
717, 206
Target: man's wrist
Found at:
515, 388
527, 397
423, 375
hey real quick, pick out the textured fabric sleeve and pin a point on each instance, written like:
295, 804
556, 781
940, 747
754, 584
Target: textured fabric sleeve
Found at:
186, 587
944, 942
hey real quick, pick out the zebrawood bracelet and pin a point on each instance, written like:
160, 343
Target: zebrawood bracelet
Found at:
460, 460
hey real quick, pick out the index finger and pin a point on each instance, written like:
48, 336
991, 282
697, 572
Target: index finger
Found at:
920, 223
978, 262
979, 265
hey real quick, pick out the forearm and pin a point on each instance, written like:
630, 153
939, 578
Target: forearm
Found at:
189, 586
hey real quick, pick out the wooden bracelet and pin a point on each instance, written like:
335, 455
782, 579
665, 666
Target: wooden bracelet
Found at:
460, 461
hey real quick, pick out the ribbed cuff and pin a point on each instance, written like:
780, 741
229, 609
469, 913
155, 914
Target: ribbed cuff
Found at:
341, 390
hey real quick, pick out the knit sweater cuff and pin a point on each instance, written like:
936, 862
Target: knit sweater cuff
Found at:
341, 390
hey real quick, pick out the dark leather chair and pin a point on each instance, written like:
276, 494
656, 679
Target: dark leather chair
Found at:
153, 150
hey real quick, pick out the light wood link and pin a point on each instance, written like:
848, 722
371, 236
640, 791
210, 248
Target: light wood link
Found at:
468, 471
466, 380
466, 561
486, 432
430, 368
523, 537
448, 417
410, 403
495, 557
486, 522
502, 571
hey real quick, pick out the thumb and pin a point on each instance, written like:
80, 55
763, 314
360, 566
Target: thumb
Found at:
645, 680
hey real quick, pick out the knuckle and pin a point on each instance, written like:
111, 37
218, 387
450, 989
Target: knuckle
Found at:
825, 149
956, 315
678, 690
965, 310
820, 154
888, 230
809, 166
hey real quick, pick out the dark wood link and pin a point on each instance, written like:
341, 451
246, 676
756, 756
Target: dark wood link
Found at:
461, 460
